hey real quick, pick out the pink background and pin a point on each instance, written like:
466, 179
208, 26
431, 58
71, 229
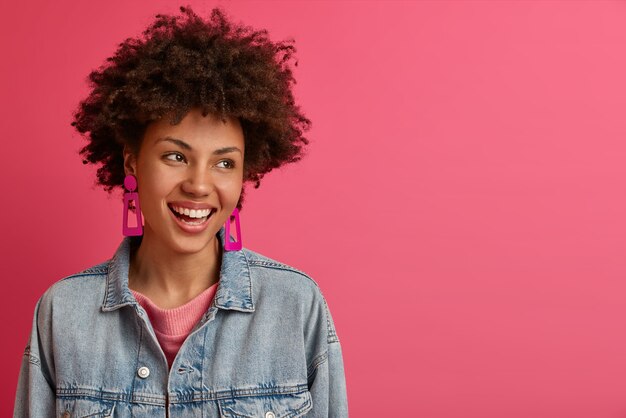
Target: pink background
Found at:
462, 205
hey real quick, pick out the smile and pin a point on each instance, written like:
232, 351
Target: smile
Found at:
191, 217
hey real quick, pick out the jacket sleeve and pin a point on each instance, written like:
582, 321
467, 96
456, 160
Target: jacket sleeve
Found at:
35, 389
327, 382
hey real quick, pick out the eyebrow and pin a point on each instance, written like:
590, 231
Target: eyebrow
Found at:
186, 146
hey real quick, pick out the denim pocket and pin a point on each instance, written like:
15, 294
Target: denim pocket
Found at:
83, 408
268, 406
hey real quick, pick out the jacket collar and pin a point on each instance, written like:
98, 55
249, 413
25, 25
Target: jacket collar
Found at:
234, 290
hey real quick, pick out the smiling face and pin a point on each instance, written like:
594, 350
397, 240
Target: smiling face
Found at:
189, 179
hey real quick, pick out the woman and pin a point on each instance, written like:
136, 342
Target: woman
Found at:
182, 321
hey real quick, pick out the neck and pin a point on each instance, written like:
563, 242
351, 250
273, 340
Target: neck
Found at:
170, 278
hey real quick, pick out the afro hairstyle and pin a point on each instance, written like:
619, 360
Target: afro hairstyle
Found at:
182, 62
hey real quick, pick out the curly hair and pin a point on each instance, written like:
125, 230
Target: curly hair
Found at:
183, 62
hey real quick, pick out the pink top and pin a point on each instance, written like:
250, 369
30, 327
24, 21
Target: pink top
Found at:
172, 326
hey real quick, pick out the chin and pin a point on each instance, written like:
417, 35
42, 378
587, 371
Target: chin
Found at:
192, 245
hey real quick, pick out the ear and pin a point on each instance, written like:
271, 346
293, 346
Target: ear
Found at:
130, 161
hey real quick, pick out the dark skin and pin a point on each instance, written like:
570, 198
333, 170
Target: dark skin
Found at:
196, 162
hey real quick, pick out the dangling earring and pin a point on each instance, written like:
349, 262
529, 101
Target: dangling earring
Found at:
130, 183
228, 245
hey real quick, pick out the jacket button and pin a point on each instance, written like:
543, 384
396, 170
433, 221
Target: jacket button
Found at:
270, 414
143, 372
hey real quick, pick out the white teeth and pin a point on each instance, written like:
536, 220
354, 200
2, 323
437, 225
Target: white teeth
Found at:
192, 213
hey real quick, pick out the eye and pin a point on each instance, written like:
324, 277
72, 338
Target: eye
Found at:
226, 164
175, 156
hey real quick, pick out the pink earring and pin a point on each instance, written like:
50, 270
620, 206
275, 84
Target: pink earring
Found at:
228, 245
130, 183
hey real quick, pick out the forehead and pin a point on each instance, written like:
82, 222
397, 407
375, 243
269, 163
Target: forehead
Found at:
199, 131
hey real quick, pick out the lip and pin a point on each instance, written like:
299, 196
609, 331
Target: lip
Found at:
190, 205
192, 229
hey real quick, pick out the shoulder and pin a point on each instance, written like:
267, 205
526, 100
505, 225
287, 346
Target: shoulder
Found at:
76, 290
270, 270
284, 284
258, 260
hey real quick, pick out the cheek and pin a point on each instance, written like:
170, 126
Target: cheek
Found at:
229, 190
153, 187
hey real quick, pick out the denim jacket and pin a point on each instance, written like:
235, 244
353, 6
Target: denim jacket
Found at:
266, 347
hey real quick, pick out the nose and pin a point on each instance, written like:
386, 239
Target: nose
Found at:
197, 182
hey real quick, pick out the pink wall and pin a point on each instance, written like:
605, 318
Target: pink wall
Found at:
462, 204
